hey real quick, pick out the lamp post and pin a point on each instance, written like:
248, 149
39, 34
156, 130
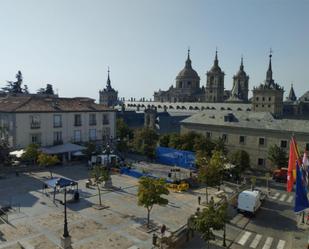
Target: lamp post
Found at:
66, 239
65, 228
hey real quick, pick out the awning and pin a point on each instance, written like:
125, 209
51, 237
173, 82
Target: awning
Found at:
62, 148
62, 182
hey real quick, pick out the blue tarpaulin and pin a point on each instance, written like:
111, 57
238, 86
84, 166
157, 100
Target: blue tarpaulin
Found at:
181, 158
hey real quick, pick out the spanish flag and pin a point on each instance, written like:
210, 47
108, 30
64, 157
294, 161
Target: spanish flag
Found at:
293, 157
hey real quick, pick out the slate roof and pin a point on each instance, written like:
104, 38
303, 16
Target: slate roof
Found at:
305, 97
33, 103
250, 120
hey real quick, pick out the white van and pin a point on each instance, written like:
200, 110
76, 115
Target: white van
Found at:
105, 160
249, 201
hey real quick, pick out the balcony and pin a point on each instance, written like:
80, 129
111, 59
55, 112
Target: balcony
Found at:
35, 125
57, 125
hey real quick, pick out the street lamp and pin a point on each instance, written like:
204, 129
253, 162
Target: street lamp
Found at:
65, 228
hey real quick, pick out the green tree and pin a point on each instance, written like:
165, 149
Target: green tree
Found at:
277, 156
204, 146
46, 160
122, 129
100, 175
124, 134
91, 149
16, 86
150, 193
145, 142
48, 90
222, 218
164, 140
175, 141
31, 153
210, 171
187, 140
241, 160
205, 221
220, 146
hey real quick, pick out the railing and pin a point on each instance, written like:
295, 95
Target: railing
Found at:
35, 125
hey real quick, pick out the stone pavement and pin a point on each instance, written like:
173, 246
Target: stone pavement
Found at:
39, 224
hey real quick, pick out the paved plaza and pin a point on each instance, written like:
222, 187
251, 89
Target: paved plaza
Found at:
37, 222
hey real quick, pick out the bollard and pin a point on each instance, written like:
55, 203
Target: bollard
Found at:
154, 239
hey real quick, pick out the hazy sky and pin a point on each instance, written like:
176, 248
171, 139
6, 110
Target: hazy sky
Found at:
70, 43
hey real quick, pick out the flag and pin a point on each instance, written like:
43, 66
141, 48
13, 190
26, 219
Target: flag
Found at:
301, 200
293, 156
305, 167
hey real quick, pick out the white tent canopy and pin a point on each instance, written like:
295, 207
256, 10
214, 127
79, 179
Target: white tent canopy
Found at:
63, 148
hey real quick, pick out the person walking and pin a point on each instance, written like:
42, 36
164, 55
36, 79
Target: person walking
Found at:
199, 200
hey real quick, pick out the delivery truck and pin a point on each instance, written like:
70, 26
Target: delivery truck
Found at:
249, 201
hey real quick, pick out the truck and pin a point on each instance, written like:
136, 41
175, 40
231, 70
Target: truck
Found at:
105, 160
280, 175
249, 201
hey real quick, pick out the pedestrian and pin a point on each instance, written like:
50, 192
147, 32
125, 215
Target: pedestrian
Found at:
199, 200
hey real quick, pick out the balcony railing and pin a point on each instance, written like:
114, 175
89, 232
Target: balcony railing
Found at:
57, 125
35, 125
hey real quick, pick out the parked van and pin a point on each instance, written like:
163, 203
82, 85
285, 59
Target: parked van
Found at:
104, 160
249, 201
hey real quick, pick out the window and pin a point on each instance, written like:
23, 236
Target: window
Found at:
269, 105
92, 119
208, 134
257, 98
269, 98
261, 141
106, 133
77, 120
242, 139
35, 122
262, 105
263, 98
307, 147
77, 136
57, 121
283, 144
35, 138
261, 161
57, 137
224, 137
92, 135
105, 119
256, 105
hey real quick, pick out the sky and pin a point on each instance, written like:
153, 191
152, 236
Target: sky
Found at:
71, 43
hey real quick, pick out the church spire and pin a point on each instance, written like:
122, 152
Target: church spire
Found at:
292, 95
216, 62
241, 68
188, 61
108, 83
269, 74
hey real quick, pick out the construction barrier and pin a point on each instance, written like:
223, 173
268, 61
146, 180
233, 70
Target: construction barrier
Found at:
181, 158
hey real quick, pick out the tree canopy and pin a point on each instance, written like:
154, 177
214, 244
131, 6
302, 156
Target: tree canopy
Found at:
16, 86
277, 156
31, 153
100, 175
150, 193
241, 160
48, 90
145, 141
46, 160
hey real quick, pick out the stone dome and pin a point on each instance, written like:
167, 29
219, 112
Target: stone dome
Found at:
188, 71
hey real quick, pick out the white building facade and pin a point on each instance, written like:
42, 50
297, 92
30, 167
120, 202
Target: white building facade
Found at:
51, 121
